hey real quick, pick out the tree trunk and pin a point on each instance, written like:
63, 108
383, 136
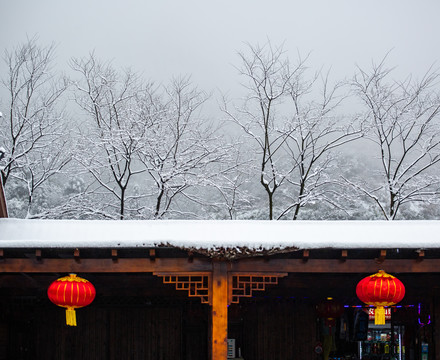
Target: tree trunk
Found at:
121, 211
270, 205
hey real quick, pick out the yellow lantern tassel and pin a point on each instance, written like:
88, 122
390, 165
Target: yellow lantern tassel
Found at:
70, 316
379, 316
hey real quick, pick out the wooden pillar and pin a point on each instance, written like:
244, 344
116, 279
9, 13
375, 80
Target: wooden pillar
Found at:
219, 312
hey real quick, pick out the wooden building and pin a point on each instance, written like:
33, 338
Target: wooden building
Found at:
178, 290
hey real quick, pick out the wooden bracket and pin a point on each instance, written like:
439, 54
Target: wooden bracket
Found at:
382, 256
152, 254
306, 254
38, 254
197, 284
190, 256
344, 255
114, 255
421, 254
76, 254
2, 254
243, 285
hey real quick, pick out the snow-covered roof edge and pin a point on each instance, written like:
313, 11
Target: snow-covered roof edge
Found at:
211, 235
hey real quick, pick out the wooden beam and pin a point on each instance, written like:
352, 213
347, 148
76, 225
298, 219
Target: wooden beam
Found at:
141, 265
219, 311
337, 266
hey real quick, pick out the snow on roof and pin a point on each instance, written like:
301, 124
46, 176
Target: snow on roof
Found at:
257, 236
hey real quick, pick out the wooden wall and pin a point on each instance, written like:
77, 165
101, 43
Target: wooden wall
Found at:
102, 333
274, 329
173, 328
269, 330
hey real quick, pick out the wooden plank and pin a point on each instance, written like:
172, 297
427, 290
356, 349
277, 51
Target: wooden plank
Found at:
219, 311
103, 265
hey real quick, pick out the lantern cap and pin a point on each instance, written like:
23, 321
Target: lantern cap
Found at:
73, 278
383, 273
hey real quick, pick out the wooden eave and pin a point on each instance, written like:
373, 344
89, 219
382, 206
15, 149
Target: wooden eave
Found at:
89, 260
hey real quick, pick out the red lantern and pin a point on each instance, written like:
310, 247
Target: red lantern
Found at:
380, 289
71, 292
330, 310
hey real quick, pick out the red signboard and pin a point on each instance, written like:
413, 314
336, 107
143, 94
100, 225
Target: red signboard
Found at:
371, 312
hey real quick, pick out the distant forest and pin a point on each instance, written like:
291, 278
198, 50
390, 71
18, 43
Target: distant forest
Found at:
106, 143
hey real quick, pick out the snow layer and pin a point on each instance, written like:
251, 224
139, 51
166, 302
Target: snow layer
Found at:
204, 234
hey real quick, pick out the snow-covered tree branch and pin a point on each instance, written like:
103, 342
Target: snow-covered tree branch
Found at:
182, 151
403, 120
293, 131
114, 129
33, 130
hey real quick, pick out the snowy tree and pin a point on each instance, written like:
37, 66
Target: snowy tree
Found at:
112, 133
133, 128
403, 118
33, 128
294, 132
233, 196
182, 151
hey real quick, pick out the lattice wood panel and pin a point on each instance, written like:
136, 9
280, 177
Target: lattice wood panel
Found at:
196, 284
243, 285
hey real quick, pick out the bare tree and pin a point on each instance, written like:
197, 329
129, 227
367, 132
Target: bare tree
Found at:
182, 151
403, 117
33, 131
294, 132
232, 198
115, 126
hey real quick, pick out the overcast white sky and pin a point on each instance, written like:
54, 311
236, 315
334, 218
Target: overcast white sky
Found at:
162, 38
